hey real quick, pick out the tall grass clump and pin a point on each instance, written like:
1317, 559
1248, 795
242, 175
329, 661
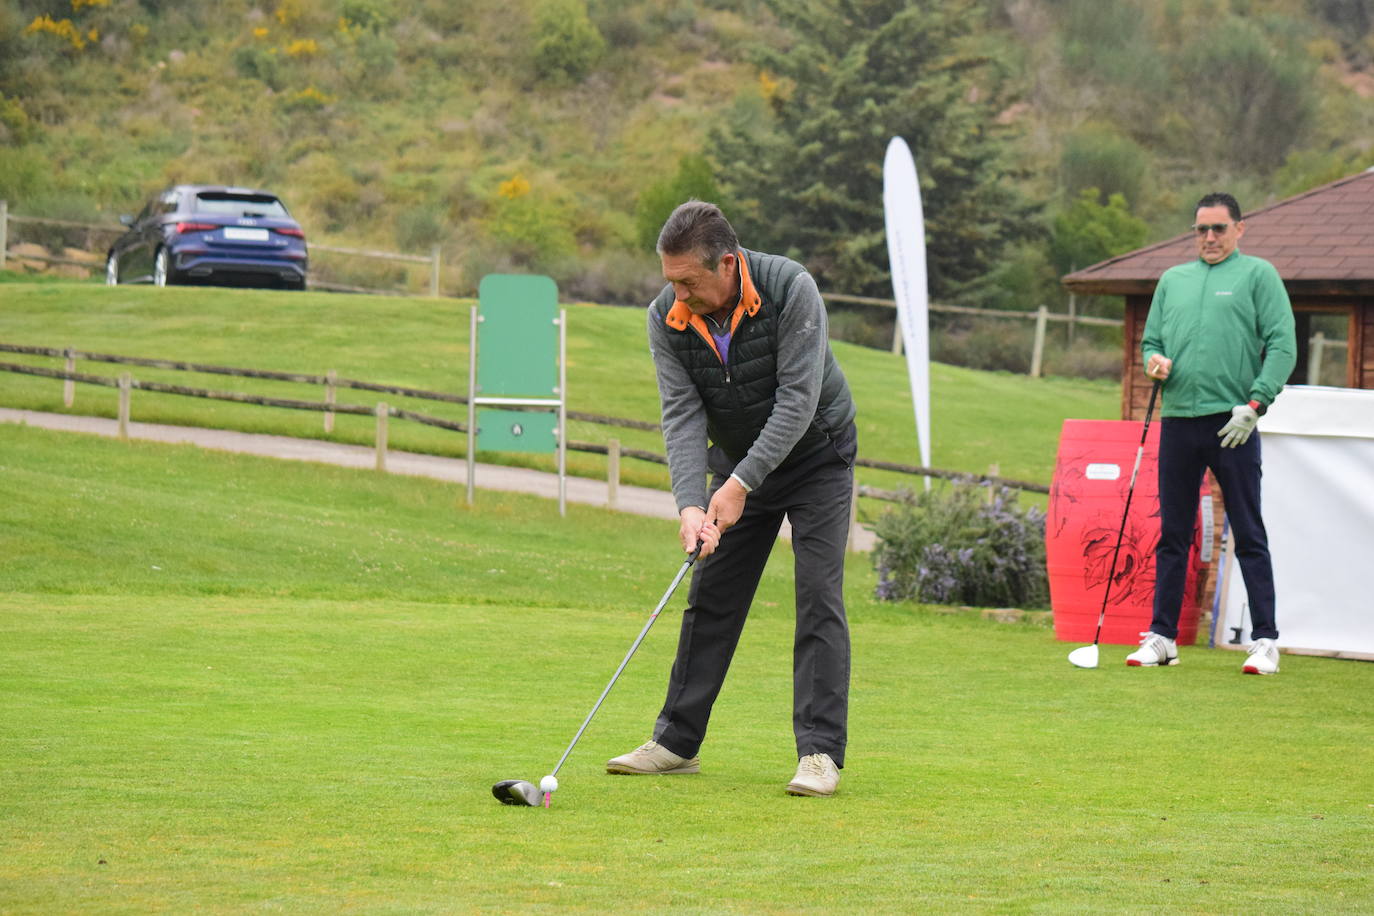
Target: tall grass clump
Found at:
964, 543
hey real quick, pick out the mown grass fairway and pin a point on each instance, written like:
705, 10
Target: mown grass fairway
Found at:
231, 684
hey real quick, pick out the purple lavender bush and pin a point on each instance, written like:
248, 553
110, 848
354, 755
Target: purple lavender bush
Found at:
966, 543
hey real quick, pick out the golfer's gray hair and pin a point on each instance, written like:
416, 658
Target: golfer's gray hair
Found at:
698, 227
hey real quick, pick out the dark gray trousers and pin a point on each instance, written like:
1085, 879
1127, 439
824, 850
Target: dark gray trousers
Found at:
814, 494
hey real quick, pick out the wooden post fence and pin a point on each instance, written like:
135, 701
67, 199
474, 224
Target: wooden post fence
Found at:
613, 473
1038, 350
69, 385
330, 395
126, 385
382, 414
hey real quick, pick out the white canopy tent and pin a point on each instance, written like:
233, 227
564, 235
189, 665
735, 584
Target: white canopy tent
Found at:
1319, 512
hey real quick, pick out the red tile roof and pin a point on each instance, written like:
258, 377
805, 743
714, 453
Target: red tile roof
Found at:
1321, 242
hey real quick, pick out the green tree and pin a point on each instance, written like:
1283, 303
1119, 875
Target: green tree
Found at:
1353, 19
694, 178
1087, 231
567, 45
808, 180
1252, 99
1099, 157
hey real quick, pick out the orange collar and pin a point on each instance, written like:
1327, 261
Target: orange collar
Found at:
680, 316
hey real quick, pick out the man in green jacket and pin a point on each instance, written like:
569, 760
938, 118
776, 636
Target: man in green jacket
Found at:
1220, 340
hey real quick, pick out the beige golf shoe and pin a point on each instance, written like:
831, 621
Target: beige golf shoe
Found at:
817, 776
651, 758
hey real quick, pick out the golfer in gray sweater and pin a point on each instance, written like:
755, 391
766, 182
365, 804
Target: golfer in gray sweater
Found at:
753, 398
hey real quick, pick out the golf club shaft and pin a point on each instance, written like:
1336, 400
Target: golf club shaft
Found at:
686, 565
1130, 491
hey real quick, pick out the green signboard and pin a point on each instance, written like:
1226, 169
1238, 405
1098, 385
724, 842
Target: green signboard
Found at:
517, 337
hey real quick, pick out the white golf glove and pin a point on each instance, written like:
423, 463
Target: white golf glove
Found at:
1239, 427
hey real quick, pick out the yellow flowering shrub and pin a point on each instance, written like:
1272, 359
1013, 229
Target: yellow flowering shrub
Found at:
62, 29
308, 99
302, 47
514, 188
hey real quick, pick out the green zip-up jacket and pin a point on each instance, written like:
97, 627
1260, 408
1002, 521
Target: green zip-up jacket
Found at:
1228, 327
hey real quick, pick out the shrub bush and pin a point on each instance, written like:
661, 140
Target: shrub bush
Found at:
1084, 358
962, 544
990, 344
567, 44
694, 178
856, 326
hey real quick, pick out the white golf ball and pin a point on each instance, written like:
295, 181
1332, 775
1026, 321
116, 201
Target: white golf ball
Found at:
548, 784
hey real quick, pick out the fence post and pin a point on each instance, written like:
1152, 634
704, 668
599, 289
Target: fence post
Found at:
68, 385
1038, 352
434, 271
613, 473
382, 413
1073, 315
329, 398
4, 230
126, 384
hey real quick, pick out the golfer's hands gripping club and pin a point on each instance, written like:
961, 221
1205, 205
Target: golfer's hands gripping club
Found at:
1242, 423
705, 526
1158, 367
696, 533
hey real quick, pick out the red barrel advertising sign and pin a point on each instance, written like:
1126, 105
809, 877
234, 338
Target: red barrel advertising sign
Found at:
1091, 476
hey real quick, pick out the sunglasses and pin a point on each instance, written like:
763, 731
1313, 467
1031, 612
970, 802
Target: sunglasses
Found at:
1203, 228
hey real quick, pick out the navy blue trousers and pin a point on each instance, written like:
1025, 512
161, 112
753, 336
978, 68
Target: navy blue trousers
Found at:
1188, 446
814, 494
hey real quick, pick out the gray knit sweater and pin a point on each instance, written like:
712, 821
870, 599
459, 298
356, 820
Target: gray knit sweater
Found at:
803, 351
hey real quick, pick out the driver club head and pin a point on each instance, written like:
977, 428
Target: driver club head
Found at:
1084, 657
517, 792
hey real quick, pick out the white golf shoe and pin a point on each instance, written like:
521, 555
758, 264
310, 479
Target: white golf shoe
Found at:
1263, 658
817, 776
651, 758
1154, 650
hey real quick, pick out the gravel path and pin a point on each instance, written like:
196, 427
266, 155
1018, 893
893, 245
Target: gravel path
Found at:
638, 500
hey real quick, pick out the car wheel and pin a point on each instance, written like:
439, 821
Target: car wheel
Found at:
160, 272
112, 269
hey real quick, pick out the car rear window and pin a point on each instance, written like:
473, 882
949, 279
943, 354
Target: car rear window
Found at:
258, 205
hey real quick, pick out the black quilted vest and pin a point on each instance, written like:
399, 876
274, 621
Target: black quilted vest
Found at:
739, 396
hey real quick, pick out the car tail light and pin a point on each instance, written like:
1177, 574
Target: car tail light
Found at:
290, 230
196, 227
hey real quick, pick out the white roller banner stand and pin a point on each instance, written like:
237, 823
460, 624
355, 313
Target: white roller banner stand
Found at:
1318, 453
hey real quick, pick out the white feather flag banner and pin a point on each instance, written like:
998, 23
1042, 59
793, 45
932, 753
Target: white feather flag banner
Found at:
906, 251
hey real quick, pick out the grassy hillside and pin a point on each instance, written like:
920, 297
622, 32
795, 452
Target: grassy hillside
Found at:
533, 133
978, 418
232, 684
